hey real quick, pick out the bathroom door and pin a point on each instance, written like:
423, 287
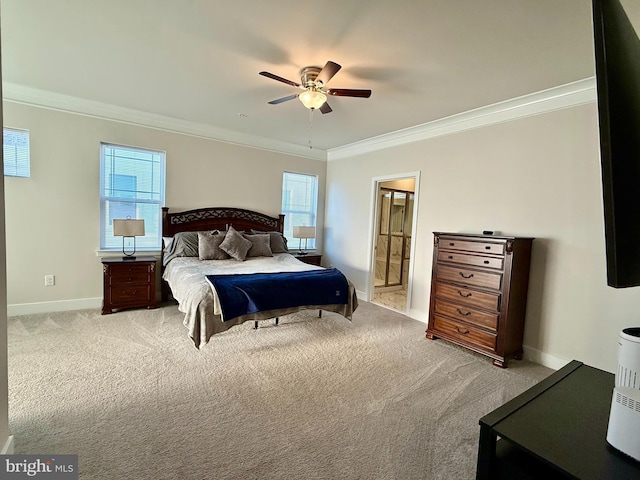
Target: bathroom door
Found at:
394, 237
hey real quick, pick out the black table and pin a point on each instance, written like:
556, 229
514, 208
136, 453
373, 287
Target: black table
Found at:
556, 429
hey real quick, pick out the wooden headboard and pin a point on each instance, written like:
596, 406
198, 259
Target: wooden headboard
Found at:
214, 218
218, 218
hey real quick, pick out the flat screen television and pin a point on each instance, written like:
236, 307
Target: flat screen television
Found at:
617, 59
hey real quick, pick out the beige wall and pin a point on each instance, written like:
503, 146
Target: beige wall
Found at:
537, 176
53, 217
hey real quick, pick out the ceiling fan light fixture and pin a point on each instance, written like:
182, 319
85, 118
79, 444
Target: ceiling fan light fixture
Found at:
312, 99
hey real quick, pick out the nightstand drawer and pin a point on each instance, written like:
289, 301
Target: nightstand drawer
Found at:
118, 278
133, 294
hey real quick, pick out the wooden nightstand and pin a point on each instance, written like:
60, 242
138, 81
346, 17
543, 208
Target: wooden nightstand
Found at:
128, 283
310, 259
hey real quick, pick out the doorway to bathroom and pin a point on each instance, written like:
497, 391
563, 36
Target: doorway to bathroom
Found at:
392, 248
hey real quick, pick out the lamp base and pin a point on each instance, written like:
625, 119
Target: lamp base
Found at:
129, 257
301, 253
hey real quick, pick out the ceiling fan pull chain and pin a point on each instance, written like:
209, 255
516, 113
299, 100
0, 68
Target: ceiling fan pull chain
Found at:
310, 127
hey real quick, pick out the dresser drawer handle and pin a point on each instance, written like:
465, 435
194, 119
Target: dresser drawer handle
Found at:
451, 244
450, 257
486, 262
462, 313
487, 247
131, 294
465, 276
466, 332
465, 295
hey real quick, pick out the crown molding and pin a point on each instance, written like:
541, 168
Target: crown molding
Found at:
564, 96
16, 93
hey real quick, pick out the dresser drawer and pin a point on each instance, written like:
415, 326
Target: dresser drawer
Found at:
476, 260
449, 243
470, 277
465, 332
467, 314
475, 298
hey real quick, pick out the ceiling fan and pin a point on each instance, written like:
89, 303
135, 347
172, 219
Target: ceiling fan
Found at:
312, 82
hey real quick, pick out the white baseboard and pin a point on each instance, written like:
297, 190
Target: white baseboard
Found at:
56, 306
8, 446
544, 359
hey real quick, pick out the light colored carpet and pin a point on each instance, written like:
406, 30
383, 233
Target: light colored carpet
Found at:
309, 399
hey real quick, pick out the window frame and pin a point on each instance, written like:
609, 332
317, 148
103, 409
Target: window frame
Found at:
18, 166
290, 213
156, 237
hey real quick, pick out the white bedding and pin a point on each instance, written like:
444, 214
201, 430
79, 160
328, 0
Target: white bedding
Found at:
197, 299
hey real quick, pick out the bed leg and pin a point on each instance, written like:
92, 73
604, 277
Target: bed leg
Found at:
319, 313
277, 321
255, 325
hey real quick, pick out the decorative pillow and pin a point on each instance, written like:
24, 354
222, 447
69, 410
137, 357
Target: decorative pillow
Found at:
235, 244
184, 244
260, 245
277, 241
209, 246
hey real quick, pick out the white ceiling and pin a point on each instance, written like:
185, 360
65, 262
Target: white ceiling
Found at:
198, 60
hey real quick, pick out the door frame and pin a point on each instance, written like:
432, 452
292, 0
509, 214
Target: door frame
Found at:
374, 226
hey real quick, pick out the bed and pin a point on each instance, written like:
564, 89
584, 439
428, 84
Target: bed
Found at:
191, 266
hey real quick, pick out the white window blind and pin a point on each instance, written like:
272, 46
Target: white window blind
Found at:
15, 150
132, 182
299, 204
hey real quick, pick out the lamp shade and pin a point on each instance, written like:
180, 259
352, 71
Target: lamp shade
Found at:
128, 227
304, 232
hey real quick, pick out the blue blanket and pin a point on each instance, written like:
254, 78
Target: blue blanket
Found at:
243, 294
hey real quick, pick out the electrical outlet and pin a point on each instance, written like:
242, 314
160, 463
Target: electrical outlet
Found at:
49, 280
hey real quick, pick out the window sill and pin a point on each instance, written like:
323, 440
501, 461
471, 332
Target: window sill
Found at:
118, 253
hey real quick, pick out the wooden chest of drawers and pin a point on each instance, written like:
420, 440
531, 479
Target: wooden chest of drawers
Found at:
479, 292
128, 283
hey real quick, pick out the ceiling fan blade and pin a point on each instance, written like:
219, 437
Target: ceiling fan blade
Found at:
283, 99
280, 79
347, 92
328, 71
325, 108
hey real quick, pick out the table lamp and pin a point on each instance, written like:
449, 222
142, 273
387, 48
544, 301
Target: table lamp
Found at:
306, 233
127, 228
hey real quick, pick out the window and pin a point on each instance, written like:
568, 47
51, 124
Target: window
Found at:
131, 186
15, 150
299, 204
